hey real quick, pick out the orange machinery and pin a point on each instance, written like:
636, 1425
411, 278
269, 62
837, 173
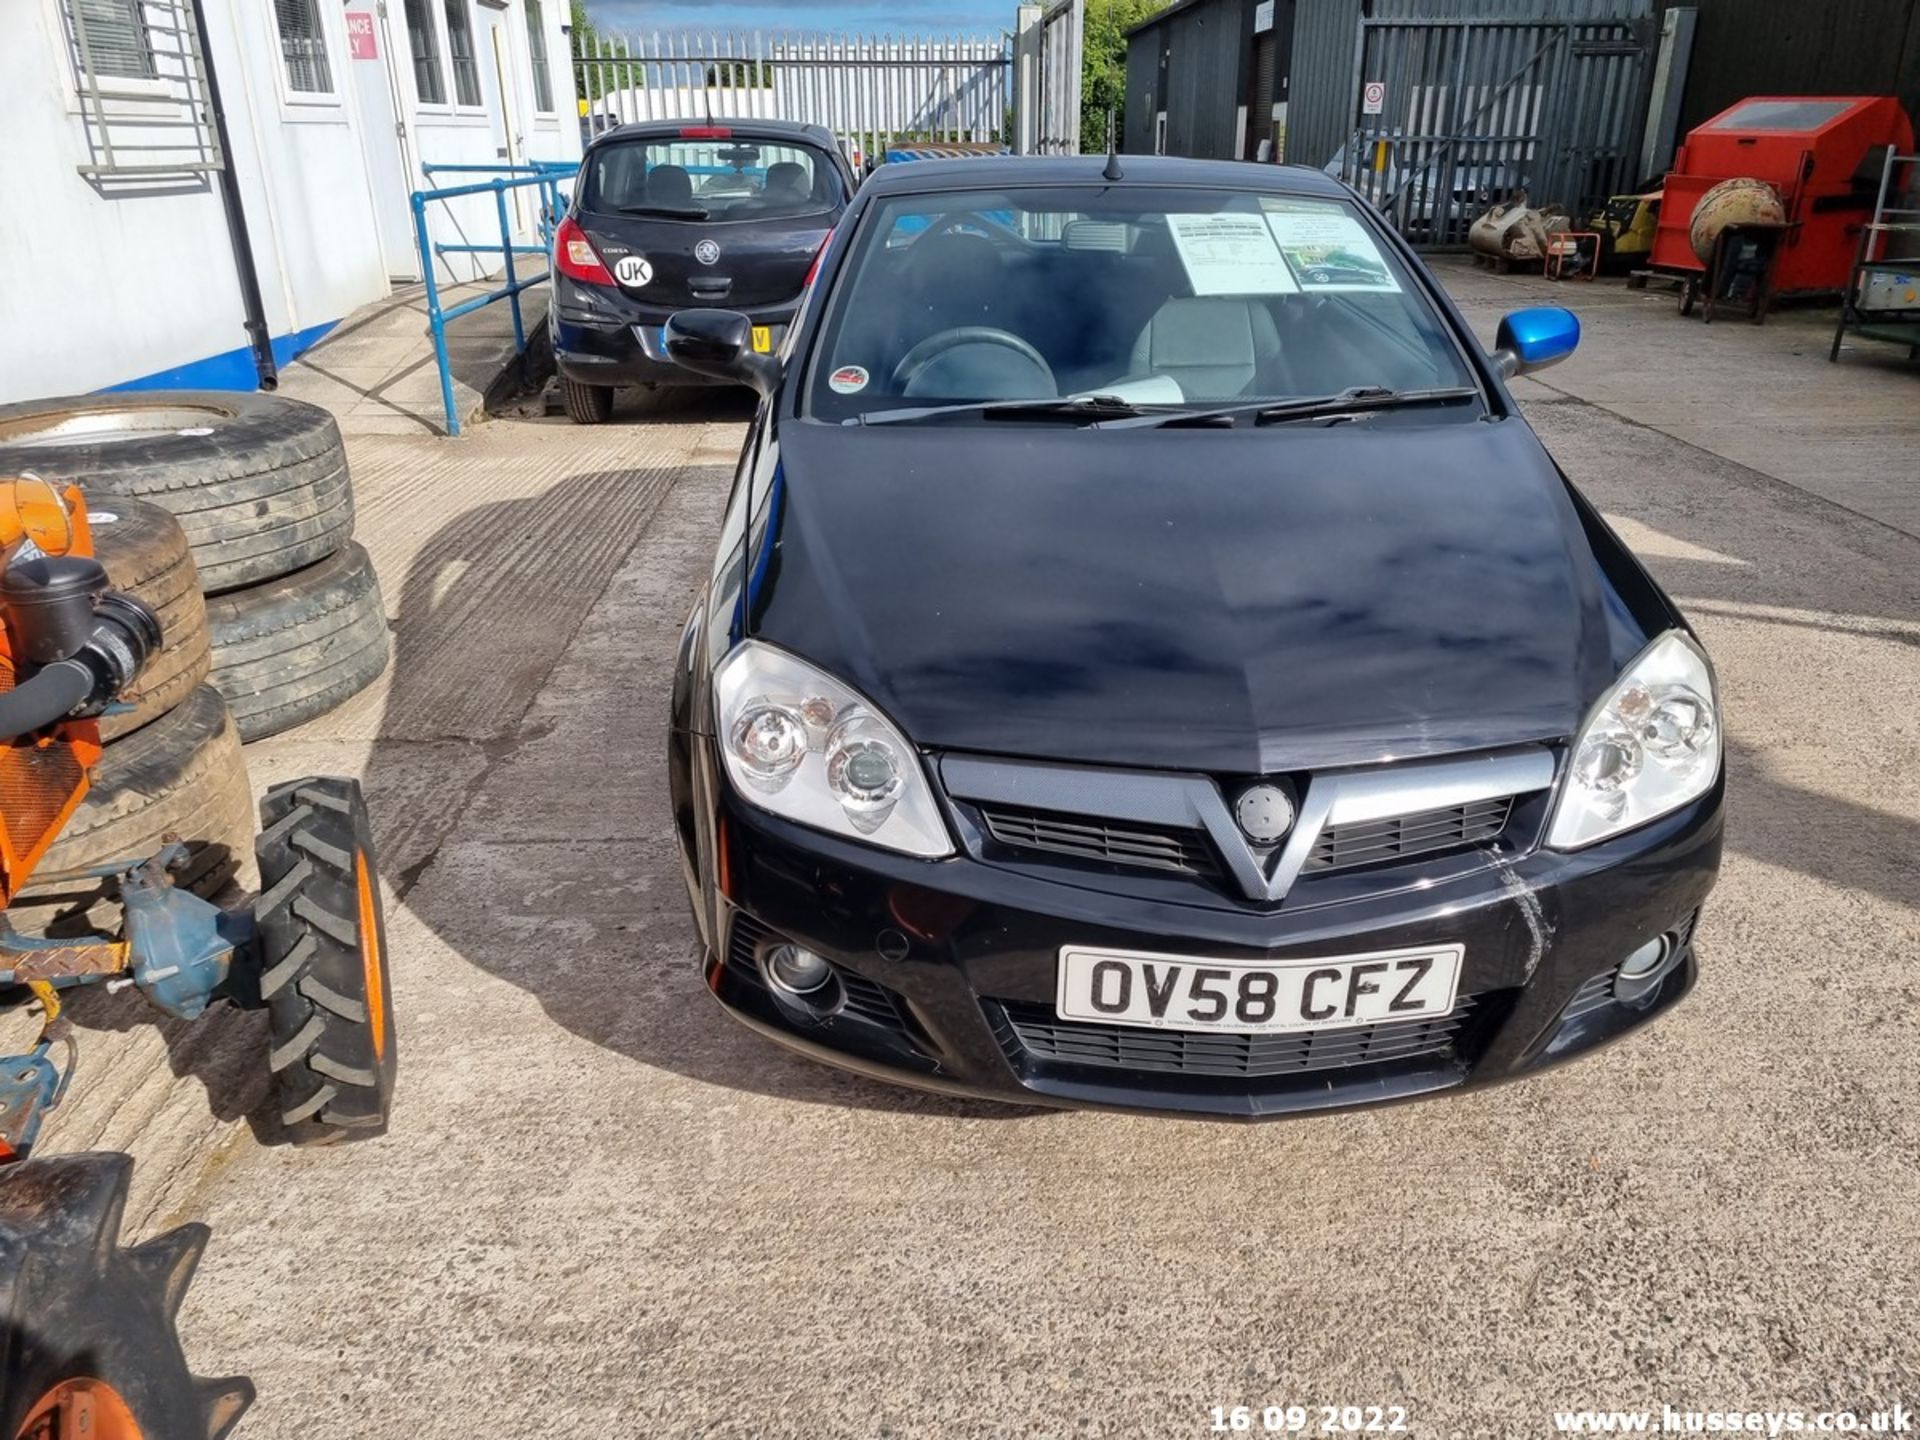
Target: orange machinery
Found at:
1813, 150
43, 776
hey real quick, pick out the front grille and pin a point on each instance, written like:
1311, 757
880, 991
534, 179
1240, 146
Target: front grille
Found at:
1088, 837
1036, 1031
1400, 837
864, 998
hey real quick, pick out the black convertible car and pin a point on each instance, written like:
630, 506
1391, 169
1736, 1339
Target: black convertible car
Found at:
1136, 675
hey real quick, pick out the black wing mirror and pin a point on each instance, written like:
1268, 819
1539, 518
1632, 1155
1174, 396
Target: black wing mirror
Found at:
719, 343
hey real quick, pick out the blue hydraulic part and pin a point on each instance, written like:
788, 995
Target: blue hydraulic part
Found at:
178, 950
30, 1086
180, 946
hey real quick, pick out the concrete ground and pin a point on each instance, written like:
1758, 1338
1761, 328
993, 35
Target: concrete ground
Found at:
377, 373
604, 1209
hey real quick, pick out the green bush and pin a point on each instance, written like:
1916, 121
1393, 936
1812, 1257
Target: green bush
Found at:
1103, 67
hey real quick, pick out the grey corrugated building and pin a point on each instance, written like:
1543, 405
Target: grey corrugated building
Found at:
1208, 78
1214, 77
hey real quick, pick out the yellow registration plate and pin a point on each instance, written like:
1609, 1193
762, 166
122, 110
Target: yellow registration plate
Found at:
762, 339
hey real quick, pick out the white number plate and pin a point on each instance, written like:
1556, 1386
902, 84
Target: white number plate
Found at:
1179, 992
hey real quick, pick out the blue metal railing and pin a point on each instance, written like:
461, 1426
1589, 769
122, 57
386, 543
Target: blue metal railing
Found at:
548, 176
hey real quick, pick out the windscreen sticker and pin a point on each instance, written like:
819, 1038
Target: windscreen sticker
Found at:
1230, 254
1330, 252
848, 379
634, 270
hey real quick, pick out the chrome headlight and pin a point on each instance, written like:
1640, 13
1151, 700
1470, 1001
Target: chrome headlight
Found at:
802, 745
1651, 745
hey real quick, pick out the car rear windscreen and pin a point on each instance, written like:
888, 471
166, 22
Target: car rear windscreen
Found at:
676, 177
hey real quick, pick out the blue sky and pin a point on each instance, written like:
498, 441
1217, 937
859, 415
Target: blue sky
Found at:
973, 17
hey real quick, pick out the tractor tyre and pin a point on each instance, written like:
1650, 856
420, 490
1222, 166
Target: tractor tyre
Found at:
91, 1340
258, 483
321, 963
586, 404
146, 555
297, 647
181, 775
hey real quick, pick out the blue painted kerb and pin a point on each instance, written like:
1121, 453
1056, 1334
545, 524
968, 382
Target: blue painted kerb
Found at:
231, 370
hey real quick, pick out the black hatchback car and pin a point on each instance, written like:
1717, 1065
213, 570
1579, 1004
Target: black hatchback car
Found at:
670, 214
1134, 674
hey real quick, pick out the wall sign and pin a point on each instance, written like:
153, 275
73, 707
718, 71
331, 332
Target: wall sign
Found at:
1373, 97
360, 41
1263, 16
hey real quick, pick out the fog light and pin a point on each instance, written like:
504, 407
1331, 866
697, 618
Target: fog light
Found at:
1644, 960
1641, 973
796, 971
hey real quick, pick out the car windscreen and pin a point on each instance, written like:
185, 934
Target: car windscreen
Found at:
722, 179
1172, 296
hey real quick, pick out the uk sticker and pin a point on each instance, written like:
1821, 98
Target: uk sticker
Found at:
847, 379
633, 270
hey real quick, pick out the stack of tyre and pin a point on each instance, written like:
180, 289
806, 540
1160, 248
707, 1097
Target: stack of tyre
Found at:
232, 516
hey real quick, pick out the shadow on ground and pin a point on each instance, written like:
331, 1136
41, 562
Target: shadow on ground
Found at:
596, 883
596, 879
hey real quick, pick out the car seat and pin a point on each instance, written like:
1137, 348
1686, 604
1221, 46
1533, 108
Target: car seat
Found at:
670, 186
787, 181
1215, 346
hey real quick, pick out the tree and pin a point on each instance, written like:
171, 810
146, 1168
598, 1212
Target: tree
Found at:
598, 76
747, 74
1103, 67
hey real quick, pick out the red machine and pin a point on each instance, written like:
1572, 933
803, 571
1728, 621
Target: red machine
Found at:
1812, 150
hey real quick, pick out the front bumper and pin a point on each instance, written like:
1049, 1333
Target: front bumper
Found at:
946, 969
600, 337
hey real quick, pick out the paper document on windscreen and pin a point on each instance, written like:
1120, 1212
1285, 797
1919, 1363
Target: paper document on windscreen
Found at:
1330, 251
1230, 254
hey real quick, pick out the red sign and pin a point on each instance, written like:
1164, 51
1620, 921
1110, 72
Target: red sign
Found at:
360, 43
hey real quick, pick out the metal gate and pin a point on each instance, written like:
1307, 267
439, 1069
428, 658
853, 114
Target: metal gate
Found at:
1452, 115
870, 91
1047, 45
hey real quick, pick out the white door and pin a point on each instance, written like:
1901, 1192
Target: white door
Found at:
371, 58
503, 104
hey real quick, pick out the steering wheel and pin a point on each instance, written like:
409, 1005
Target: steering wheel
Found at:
934, 346
995, 235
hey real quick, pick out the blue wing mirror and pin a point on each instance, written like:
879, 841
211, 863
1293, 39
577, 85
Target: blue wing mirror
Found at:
1533, 339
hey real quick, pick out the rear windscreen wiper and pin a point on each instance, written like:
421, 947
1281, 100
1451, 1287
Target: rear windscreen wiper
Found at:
1079, 408
1356, 400
668, 212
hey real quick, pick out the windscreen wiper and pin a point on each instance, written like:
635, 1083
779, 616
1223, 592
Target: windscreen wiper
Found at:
1082, 409
670, 212
1356, 400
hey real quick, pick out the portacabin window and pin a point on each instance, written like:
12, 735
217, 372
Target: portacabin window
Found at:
140, 90
424, 40
537, 52
466, 74
303, 48
110, 37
